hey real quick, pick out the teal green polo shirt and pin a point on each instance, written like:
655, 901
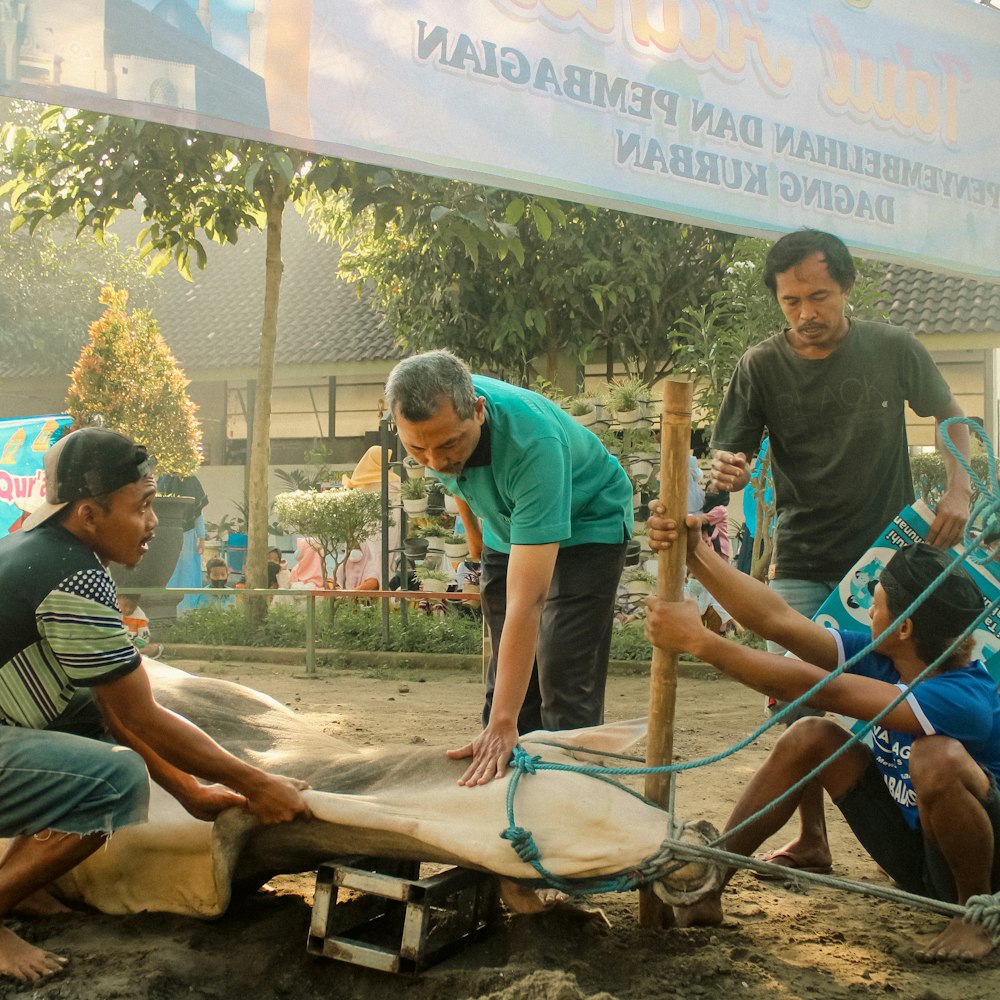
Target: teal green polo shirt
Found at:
548, 479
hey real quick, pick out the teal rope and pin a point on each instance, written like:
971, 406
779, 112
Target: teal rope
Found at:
987, 511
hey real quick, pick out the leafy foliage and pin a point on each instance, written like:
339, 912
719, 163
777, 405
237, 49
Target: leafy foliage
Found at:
336, 519
191, 188
127, 379
503, 279
359, 627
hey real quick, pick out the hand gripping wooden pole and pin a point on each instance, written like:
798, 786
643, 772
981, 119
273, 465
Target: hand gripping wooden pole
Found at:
675, 444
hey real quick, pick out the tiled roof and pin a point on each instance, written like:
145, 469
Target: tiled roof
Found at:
926, 302
214, 322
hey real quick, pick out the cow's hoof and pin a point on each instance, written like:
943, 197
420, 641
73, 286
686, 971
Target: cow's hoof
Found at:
523, 899
696, 879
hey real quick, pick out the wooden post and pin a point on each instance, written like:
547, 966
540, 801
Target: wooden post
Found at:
675, 444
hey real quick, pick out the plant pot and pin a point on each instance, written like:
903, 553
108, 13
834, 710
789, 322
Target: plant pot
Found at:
435, 543
586, 419
236, 551
435, 503
632, 553
456, 550
450, 505
415, 506
415, 548
627, 416
638, 588
641, 466
414, 470
158, 564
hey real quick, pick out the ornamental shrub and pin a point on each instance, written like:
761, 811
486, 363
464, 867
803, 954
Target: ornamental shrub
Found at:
126, 379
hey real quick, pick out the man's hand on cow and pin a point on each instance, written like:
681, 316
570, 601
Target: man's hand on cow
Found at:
948, 525
490, 752
674, 626
207, 801
276, 799
730, 471
662, 530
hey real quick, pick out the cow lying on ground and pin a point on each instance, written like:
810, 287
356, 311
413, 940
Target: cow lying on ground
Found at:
402, 803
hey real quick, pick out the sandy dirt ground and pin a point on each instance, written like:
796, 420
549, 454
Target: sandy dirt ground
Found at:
779, 941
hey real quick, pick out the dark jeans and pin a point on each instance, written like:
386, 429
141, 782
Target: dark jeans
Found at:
566, 690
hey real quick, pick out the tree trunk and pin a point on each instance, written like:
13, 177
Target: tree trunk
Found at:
260, 445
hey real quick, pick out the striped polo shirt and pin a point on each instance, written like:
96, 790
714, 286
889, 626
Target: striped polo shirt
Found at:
60, 627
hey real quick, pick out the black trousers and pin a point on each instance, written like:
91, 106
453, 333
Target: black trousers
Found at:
574, 637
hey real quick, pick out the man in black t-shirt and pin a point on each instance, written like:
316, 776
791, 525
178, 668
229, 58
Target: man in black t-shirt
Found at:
831, 392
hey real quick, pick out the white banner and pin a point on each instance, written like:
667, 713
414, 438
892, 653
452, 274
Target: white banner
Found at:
875, 119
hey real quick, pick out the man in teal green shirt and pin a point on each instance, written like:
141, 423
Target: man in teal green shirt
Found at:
555, 509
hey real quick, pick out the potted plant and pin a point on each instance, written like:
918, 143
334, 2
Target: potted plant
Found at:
415, 547
582, 410
638, 583
433, 580
435, 496
641, 449
625, 398
456, 546
450, 504
413, 493
435, 532
127, 380
414, 470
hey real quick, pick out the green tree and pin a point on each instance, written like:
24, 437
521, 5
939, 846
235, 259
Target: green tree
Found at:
50, 282
504, 278
49, 288
191, 187
127, 379
335, 521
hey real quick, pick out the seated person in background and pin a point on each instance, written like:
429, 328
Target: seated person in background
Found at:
74, 686
309, 571
924, 802
134, 619
218, 593
360, 571
277, 570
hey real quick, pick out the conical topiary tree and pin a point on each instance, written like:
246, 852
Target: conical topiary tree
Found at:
127, 379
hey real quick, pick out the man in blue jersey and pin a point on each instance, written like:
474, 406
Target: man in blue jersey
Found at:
556, 513
75, 696
923, 800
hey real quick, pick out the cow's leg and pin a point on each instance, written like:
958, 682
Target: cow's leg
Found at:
523, 899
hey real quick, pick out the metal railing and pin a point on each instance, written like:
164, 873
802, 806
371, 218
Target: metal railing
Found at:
386, 597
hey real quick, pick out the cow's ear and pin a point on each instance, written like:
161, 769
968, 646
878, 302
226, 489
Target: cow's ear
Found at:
612, 737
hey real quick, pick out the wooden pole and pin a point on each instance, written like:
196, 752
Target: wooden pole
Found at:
675, 445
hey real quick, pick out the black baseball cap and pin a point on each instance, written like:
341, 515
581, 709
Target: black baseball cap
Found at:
955, 602
89, 462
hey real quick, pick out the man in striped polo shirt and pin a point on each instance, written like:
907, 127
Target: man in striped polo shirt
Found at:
74, 693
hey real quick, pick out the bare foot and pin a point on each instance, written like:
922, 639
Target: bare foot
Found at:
41, 904
25, 962
958, 940
813, 856
707, 912
523, 899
